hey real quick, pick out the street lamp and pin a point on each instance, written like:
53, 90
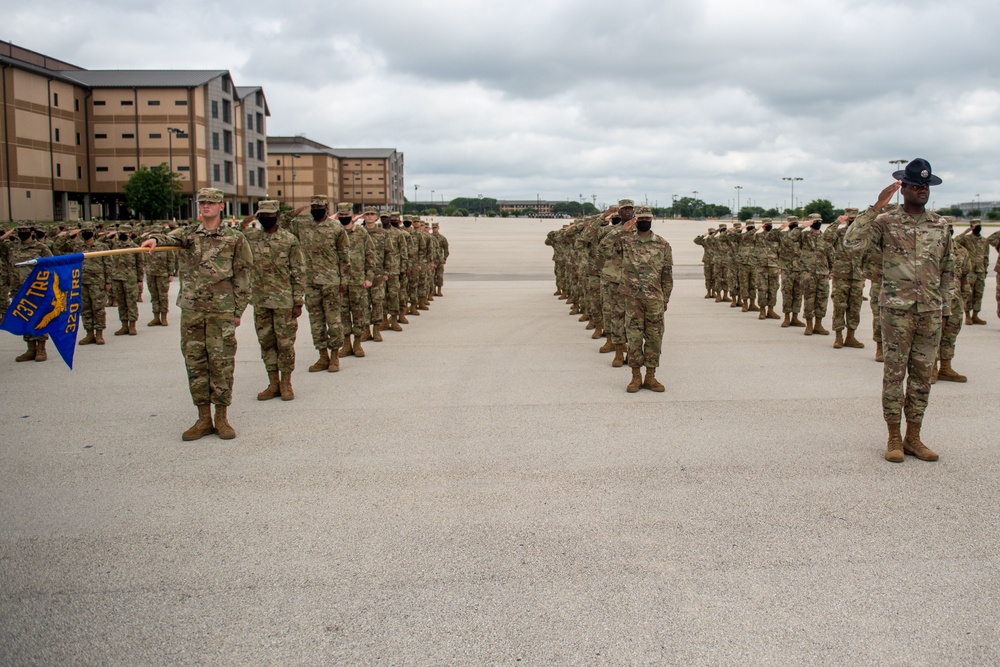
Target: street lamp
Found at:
695, 193
480, 205
294, 174
792, 179
979, 206
581, 205
738, 188
415, 188
171, 131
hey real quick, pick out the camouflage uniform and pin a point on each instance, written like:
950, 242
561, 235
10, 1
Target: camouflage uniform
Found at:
791, 271
159, 267
731, 248
126, 276
747, 267
717, 243
848, 281
94, 279
376, 293
872, 263
917, 275
396, 266
647, 281
979, 258
994, 240
955, 307
612, 302
214, 267
587, 245
22, 251
706, 260
445, 251
767, 248
816, 264
354, 309
278, 284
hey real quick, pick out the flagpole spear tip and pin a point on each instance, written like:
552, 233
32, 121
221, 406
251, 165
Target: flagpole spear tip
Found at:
30, 262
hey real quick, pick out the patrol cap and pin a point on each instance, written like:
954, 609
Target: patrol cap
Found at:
792, 218
213, 195
974, 222
23, 226
371, 209
384, 214
319, 200
643, 212
851, 211
613, 208
435, 225
737, 224
86, 226
124, 228
626, 203
722, 226
766, 221
394, 215
345, 207
268, 206
815, 216
711, 230
407, 218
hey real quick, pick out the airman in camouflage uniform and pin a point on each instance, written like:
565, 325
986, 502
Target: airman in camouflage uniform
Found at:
160, 266
26, 247
706, 261
376, 293
817, 262
746, 263
396, 286
278, 283
917, 275
790, 258
412, 267
766, 250
848, 283
612, 300
587, 245
443, 258
731, 248
647, 281
979, 257
126, 278
994, 240
608, 221
956, 311
214, 263
95, 282
720, 275
355, 311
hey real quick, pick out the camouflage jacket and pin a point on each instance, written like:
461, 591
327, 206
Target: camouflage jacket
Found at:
19, 252
817, 255
95, 270
767, 247
706, 255
362, 252
979, 252
961, 287
846, 264
214, 267
380, 240
745, 242
402, 249
917, 262
443, 242
278, 277
324, 247
790, 254
129, 267
994, 240
612, 270
647, 266
161, 264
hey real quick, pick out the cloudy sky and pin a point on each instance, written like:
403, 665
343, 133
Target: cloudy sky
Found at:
553, 98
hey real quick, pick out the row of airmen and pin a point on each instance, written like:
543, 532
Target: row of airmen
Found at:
743, 266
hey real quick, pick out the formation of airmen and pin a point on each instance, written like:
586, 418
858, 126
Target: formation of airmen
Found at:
356, 278
618, 276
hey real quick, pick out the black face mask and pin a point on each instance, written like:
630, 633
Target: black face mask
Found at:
318, 214
87, 235
41, 235
394, 223
767, 228
644, 225
616, 220
345, 221
24, 236
817, 224
123, 237
267, 221
976, 230
407, 224
750, 228
793, 225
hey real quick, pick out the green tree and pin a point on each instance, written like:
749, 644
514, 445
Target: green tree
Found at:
746, 213
822, 206
148, 191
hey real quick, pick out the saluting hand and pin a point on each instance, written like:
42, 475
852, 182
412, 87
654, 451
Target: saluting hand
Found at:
886, 195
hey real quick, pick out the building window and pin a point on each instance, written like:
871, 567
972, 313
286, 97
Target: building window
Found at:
260, 123
55, 99
229, 171
260, 177
215, 109
102, 169
279, 163
249, 149
79, 172
128, 135
260, 99
180, 103
76, 104
249, 121
215, 141
27, 194
58, 170
250, 177
154, 135
126, 103
227, 141
153, 103
278, 178
77, 138
57, 134
260, 150
279, 193
128, 168
227, 111
98, 103
216, 173
100, 136
225, 84
183, 167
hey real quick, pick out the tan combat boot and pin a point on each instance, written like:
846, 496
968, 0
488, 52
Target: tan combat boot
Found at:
401, 319
607, 347
131, 328
879, 357
222, 425
347, 349
753, 306
334, 365
839, 340
321, 363
203, 426
422, 304
894, 447
412, 310
598, 332
809, 327
851, 341
272, 391
358, 351
394, 323
745, 306
383, 324
737, 303
619, 359
708, 294
99, 337
376, 333
366, 334
718, 297
124, 330
88, 339
976, 319
949, 374
29, 354
771, 315
163, 319
785, 323
40, 353
968, 317
651, 383
285, 385
584, 317
590, 324
155, 322
636, 383
796, 322
763, 314
913, 446
818, 327
934, 373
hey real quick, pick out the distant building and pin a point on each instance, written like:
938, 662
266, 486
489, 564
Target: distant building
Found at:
539, 208
984, 208
301, 167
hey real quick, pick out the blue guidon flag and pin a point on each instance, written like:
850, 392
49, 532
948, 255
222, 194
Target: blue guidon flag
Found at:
49, 303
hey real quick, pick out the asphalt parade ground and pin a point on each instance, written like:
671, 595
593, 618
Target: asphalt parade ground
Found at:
481, 490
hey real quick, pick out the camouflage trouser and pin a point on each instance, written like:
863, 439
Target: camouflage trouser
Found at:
126, 294
354, 311
643, 330
709, 276
847, 300
425, 281
439, 276
392, 294
748, 281
874, 294
910, 343
323, 305
159, 288
815, 294
791, 291
93, 299
404, 290
614, 312
767, 286
595, 300
208, 342
276, 329
412, 285
719, 275
978, 282
950, 331
733, 279
376, 297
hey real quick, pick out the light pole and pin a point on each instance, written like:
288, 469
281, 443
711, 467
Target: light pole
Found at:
979, 206
792, 179
695, 193
897, 163
171, 131
581, 205
738, 188
294, 174
415, 188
